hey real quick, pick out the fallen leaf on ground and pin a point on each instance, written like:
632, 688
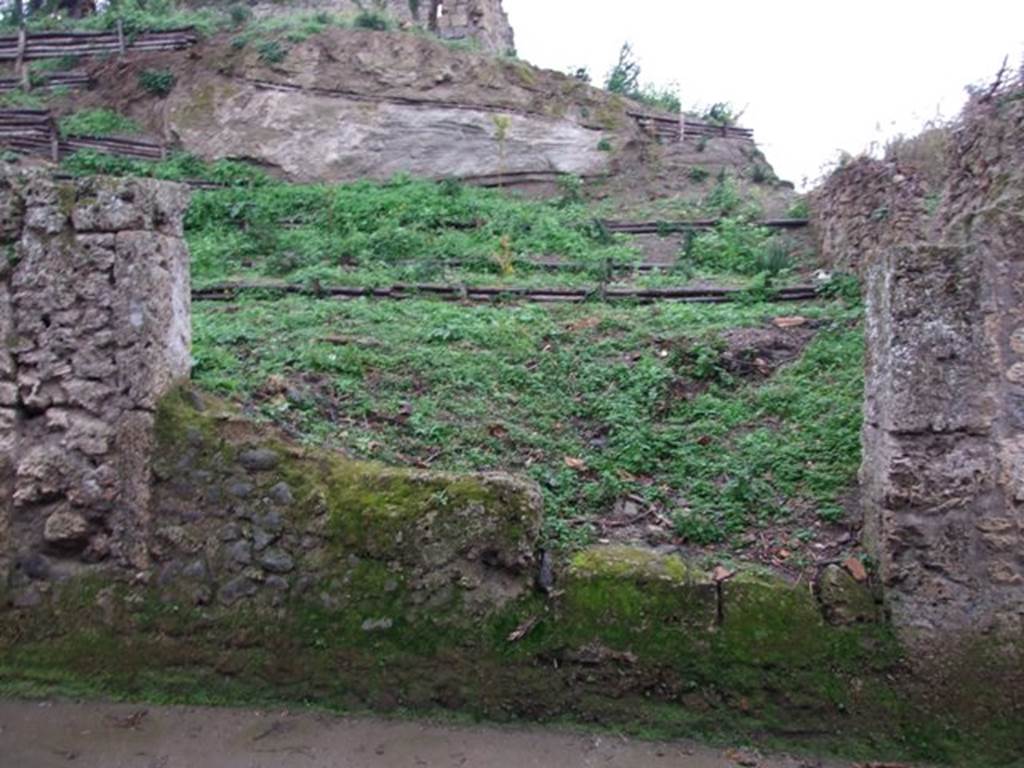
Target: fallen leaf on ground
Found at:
721, 573
133, 721
573, 463
856, 568
523, 629
789, 321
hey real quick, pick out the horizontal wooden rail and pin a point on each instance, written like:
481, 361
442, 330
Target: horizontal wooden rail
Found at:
669, 227
57, 79
231, 291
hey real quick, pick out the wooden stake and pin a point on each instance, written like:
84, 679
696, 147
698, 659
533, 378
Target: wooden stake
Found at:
120, 36
21, 67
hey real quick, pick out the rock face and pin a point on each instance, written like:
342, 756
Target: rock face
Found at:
94, 314
352, 104
944, 412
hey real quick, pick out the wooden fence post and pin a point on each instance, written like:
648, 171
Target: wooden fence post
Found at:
21, 66
120, 36
54, 139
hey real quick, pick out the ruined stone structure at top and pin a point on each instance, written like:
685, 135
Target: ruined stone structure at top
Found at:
481, 21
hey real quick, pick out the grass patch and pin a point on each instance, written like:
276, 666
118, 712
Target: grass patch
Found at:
97, 122
584, 399
403, 230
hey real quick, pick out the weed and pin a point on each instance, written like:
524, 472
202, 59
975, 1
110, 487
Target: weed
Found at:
372, 20
604, 145
158, 82
733, 246
721, 113
571, 190
799, 210
843, 286
239, 14
698, 175
772, 259
22, 100
271, 52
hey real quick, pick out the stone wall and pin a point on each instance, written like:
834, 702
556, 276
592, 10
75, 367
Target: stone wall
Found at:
943, 471
94, 312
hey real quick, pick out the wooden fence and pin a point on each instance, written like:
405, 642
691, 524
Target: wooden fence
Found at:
34, 131
28, 46
671, 130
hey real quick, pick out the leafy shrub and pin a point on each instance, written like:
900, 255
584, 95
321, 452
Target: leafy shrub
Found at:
722, 113
799, 209
733, 246
624, 79
178, 167
158, 82
372, 20
761, 174
239, 14
724, 199
571, 189
97, 122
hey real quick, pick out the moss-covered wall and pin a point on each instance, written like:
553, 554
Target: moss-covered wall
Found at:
288, 575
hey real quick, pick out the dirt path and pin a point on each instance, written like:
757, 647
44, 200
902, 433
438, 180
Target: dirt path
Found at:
93, 735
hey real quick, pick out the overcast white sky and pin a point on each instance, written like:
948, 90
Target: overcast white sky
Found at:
814, 76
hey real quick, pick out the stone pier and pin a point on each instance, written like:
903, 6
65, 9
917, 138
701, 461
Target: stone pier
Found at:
94, 312
943, 437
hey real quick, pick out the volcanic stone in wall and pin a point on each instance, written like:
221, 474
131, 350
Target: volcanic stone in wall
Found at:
94, 313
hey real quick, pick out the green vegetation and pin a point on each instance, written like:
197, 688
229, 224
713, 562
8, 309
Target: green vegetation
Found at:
588, 400
404, 230
178, 167
158, 82
624, 79
97, 122
22, 100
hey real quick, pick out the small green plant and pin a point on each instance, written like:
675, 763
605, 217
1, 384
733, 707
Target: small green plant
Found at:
624, 79
271, 52
604, 145
22, 100
158, 82
761, 174
733, 246
97, 122
375, 20
843, 286
698, 175
724, 199
701, 144
571, 189
239, 14
799, 210
722, 113
773, 259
